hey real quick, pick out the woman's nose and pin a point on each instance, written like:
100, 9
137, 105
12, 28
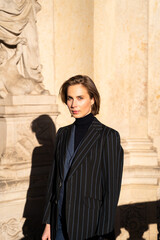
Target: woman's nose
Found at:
74, 103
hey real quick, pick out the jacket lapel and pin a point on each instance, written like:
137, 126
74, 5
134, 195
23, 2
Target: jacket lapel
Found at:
63, 150
90, 138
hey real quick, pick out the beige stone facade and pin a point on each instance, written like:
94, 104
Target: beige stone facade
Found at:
117, 43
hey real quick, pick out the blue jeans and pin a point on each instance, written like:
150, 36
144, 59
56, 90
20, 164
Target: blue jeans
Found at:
59, 234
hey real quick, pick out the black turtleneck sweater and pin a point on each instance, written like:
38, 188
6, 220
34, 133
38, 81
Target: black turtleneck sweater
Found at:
82, 125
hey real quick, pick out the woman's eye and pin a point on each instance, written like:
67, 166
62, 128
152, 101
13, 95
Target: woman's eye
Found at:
68, 98
80, 98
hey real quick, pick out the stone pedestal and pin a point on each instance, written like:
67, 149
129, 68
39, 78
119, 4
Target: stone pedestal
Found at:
137, 213
17, 152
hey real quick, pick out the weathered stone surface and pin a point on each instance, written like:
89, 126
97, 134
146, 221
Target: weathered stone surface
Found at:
117, 43
20, 70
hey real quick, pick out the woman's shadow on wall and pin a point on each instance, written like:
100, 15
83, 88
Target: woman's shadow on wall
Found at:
42, 158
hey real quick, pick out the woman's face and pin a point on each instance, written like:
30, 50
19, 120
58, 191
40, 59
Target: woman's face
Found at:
79, 101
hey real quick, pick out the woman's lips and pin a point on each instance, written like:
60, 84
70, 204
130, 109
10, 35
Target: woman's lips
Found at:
75, 112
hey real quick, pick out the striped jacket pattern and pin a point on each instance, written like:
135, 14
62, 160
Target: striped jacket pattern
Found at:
92, 185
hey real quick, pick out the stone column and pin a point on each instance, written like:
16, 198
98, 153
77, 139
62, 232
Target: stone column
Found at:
121, 63
121, 70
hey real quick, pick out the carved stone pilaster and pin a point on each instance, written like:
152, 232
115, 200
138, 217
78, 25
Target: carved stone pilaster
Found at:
24, 161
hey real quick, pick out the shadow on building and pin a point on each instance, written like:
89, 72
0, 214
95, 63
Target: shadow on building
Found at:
42, 159
135, 219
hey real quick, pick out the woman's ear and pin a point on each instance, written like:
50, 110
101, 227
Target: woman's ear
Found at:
92, 101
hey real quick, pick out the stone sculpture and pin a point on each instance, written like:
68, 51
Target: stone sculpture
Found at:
11, 81
20, 70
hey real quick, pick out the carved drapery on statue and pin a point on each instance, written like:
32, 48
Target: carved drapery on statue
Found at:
19, 48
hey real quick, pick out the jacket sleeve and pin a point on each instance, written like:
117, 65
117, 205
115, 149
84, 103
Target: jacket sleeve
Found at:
112, 166
50, 188
47, 208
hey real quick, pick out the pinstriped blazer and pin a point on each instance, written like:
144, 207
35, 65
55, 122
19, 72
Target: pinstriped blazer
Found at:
92, 185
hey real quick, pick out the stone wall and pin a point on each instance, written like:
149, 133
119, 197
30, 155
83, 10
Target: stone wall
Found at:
117, 44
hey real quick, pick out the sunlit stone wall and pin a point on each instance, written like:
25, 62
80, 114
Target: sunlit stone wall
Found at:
126, 68
73, 21
117, 43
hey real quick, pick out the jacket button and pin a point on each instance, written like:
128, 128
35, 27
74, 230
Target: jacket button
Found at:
60, 184
55, 202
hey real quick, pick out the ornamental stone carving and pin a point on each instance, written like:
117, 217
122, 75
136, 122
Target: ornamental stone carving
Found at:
11, 230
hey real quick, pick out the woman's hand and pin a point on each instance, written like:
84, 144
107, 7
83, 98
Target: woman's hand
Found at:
46, 234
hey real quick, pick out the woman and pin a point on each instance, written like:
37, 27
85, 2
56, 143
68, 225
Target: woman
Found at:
86, 176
